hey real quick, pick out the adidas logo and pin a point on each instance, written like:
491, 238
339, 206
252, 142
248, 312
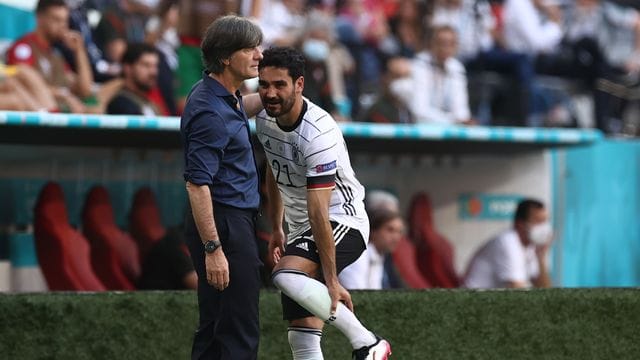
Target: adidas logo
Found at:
267, 144
303, 245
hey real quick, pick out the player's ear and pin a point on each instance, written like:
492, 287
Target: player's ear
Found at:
299, 84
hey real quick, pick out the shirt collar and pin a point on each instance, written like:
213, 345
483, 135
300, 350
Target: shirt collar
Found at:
221, 91
39, 42
298, 121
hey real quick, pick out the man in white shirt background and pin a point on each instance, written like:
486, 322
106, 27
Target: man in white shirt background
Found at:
435, 89
517, 258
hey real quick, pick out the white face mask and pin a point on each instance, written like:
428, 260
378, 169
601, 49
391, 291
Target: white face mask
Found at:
315, 50
540, 234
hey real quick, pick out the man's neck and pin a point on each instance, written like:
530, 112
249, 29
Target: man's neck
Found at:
228, 81
41, 37
290, 118
128, 85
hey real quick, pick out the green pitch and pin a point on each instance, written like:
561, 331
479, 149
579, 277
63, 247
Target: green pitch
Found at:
539, 324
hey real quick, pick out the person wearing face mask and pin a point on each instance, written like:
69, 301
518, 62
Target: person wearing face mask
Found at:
517, 257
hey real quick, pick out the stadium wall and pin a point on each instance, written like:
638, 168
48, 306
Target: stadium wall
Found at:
541, 324
597, 214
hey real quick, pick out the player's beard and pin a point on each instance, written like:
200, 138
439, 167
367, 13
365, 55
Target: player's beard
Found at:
285, 106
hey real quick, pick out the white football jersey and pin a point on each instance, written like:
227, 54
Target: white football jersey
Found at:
312, 154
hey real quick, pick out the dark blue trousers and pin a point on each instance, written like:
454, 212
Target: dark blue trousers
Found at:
229, 321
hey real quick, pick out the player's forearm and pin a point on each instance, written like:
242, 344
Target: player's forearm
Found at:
323, 235
202, 210
252, 104
318, 210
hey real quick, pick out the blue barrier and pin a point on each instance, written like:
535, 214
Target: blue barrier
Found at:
351, 130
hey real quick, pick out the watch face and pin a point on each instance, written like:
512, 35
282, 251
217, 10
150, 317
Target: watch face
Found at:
209, 246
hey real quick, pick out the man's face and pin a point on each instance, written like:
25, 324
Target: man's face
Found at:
444, 46
144, 72
278, 91
536, 217
387, 237
54, 22
244, 62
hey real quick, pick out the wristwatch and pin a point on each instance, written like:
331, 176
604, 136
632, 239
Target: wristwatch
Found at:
211, 245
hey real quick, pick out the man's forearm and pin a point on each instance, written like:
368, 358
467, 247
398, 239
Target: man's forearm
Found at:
202, 210
318, 210
275, 207
252, 104
323, 235
84, 81
543, 280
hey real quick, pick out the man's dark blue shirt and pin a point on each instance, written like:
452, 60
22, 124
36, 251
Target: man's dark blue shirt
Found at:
217, 145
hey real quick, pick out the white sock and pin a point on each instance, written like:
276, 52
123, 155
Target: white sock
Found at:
314, 296
305, 343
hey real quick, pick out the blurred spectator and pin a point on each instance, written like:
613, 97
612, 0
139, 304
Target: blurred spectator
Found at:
363, 28
162, 32
436, 90
607, 38
387, 108
326, 65
381, 200
23, 89
123, 21
473, 22
434, 252
369, 271
194, 18
140, 72
409, 25
167, 265
36, 49
281, 21
532, 26
517, 257
103, 68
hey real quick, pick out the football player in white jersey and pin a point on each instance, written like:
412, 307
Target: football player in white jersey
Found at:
312, 185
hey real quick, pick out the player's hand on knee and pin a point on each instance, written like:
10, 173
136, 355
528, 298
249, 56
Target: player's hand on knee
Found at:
217, 269
338, 293
276, 245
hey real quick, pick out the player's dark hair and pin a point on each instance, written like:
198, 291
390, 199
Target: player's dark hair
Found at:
284, 58
379, 217
44, 5
226, 35
525, 207
135, 51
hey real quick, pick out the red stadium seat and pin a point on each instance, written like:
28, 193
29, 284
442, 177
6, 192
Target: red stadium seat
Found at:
63, 253
434, 252
114, 253
145, 224
404, 260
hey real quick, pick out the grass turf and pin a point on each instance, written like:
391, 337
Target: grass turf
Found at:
439, 324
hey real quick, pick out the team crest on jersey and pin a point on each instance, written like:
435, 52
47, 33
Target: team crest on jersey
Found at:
296, 155
326, 167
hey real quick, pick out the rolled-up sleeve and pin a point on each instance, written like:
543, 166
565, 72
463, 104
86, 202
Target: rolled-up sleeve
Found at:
206, 138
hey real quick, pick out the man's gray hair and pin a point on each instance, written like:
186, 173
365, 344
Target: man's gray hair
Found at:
381, 200
225, 36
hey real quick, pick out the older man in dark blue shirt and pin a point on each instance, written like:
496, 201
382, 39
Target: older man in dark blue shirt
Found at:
222, 183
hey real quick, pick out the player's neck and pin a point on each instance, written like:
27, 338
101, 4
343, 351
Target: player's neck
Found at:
290, 118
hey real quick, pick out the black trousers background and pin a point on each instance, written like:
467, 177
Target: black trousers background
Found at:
229, 320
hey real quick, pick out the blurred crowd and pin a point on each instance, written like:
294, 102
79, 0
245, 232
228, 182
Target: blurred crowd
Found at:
557, 63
